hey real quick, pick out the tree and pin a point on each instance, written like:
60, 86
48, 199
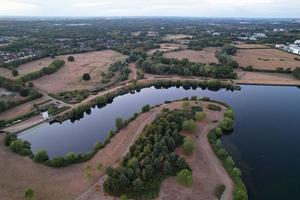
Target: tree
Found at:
30, 84
229, 113
185, 105
219, 131
71, 157
71, 58
296, 72
29, 194
199, 116
184, 178
124, 197
86, 77
137, 185
146, 108
189, 125
119, 123
15, 72
227, 124
41, 156
188, 146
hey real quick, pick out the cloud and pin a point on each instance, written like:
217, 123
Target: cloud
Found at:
204, 8
13, 6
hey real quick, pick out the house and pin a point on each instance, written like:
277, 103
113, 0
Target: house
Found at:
297, 42
295, 49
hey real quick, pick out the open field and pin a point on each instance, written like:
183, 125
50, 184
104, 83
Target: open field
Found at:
206, 56
261, 78
6, 73
267, 59
250, 46
168, 47
175, 37
69, 77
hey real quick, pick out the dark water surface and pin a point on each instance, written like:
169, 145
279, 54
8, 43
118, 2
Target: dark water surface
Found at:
265, 142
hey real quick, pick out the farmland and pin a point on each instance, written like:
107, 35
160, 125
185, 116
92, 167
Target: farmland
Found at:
266, 59
206, 56
168, 47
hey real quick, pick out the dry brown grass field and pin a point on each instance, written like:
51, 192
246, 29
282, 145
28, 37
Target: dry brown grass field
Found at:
206, 56
167, 47
69, 77
175, 37
268, 59
251, 46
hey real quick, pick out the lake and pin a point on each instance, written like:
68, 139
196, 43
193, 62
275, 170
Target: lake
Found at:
264, 142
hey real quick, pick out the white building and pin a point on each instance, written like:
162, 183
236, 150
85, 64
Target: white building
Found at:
297, 42
295, 49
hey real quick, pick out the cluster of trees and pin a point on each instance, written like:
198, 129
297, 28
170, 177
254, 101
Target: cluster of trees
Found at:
18, 146
240, 190
296, 72
53, 67
224, 56
158, 64
151, 158
202, 42
13, 86
121, 67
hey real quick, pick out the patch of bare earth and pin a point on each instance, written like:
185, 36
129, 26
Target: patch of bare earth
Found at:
170, 37
205, 56
69, 77
6, 73
268, 59
208, 171
266, 78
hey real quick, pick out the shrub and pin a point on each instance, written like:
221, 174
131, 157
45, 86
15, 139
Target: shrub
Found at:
71, 158
189, 125
214, 107
21, 147
219, 191
146, 108
30, 84
188, 146
219, 131
15, 72
200, 116
249, 68
29, 194
86, 77
71, 58
124, 197
119, 123
184, 178
57, 162
41, 156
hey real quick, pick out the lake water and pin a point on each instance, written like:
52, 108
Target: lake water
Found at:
264, 142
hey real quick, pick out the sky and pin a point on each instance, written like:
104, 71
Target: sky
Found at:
191, 8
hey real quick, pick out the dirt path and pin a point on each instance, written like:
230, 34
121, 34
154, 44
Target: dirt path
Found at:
208, 171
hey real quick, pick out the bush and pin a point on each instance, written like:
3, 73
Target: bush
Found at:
29, 194
86, 77
214, 107
119, 123
219, 191
189, 125
249, 68
57, 162
71, 58
199, 116
21, 147
30, 84
229, 113
41, 156
188, 146
184, 178
219, 131
15, 72
145, 108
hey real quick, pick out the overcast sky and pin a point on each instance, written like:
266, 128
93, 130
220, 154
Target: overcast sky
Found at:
198, 8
